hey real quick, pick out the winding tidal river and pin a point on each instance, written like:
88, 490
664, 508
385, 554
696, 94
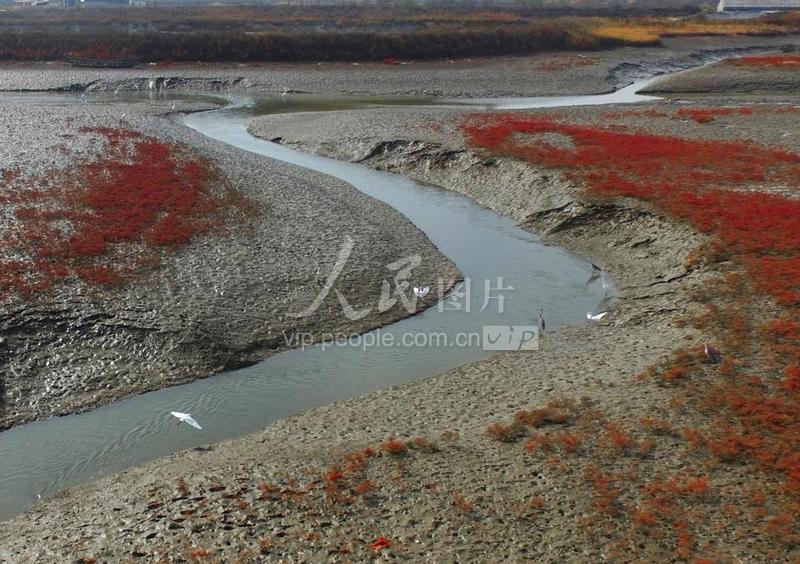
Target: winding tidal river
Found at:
39, 459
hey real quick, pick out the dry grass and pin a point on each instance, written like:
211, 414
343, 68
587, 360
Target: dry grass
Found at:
649, 31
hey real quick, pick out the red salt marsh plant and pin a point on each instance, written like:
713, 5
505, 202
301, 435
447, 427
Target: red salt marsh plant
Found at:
752, 415
380, 543
394, 447
106, 219
707, 115
791, 62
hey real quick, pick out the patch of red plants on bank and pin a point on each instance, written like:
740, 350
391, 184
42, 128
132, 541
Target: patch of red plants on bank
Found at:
707, 115
103, 220
791, 62
707, 183
702, 115
713, 186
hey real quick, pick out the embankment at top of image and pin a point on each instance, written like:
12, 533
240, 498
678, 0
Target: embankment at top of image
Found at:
420, 35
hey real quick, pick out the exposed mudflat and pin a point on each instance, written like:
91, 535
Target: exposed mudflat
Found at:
730, 78
589, 72
220, 303
412, 504
276, 495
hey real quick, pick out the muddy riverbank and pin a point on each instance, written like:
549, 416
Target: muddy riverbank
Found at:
222, 302
589, 72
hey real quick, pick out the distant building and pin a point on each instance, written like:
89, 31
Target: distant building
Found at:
757, 5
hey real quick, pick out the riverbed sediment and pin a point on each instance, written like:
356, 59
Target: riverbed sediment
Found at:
222, 302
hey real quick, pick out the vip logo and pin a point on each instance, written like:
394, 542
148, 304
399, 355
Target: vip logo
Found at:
510, 338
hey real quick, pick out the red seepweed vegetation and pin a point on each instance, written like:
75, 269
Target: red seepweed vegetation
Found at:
106, 219
394, 446
712, 185
707, 115
791, 62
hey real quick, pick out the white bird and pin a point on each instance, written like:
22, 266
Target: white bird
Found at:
421, 291
186, 418
173, 106
542, 324
606, 283
592, 317
285, 92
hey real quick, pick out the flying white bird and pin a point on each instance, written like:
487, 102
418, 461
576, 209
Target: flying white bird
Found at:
592, 317
186, 418
421, 291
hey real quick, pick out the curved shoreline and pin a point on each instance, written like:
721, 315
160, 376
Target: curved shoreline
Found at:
441, 403
201, 312
390, 409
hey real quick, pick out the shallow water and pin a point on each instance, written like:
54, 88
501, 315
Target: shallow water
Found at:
42, 458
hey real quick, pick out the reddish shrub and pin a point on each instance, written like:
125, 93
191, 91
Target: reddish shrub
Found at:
364, 487
462, 503
644, 517
618, 437
693, 437
792, 380
707, 115
696, 485
538, 441
569, 442
393, 446
506, 433
334, 474
380, 543
657, 426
